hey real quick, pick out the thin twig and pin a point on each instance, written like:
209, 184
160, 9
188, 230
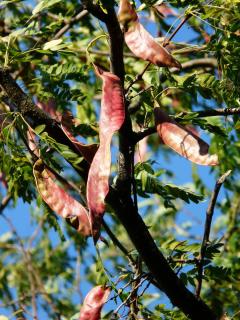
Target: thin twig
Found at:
189, 49
68, 25
198, 63
36, 231
207, 229
78, 277
138, 77
117, 243
5, 202
28, 263
139, 283
134, 309
167, 41
185, 50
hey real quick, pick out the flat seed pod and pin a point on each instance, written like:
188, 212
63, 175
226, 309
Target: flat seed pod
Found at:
139, 40
87, 150
182, 140
93, 303
31, 138
59, 200
111, 119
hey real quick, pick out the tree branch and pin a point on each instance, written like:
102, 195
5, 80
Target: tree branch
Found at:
167, 280
79, 15
208, 221
119, 198
167, 41
198, 63
35, 116
121, 201
95, 10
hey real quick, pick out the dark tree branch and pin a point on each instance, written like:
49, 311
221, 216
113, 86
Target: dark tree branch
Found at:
95, 10
207, 229
167, 280
121, 201
218, 112
35, 116
119, 198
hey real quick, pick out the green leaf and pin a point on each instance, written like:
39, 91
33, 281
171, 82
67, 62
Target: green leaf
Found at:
74, 317
40, 129
148, 183
52, 44
44, 4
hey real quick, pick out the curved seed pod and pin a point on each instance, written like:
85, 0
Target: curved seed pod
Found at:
111, 119
3, 180
126, 13
66, 119
50, 108
139, 40
93, 303
58, 200
141, 152
183, 141
87, 150
31, 138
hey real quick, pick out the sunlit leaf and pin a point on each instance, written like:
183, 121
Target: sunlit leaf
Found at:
44, 4
51, 44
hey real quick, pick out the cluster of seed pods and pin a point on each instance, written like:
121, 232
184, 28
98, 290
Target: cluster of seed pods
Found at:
182, 140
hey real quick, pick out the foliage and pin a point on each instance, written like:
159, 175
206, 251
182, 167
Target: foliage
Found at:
47, 267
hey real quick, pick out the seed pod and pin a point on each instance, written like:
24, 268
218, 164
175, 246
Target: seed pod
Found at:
59, 200
139, 40
182, 140
87, 150
93, 303
111, 119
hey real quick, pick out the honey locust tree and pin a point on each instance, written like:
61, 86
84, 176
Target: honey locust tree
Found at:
100, 140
